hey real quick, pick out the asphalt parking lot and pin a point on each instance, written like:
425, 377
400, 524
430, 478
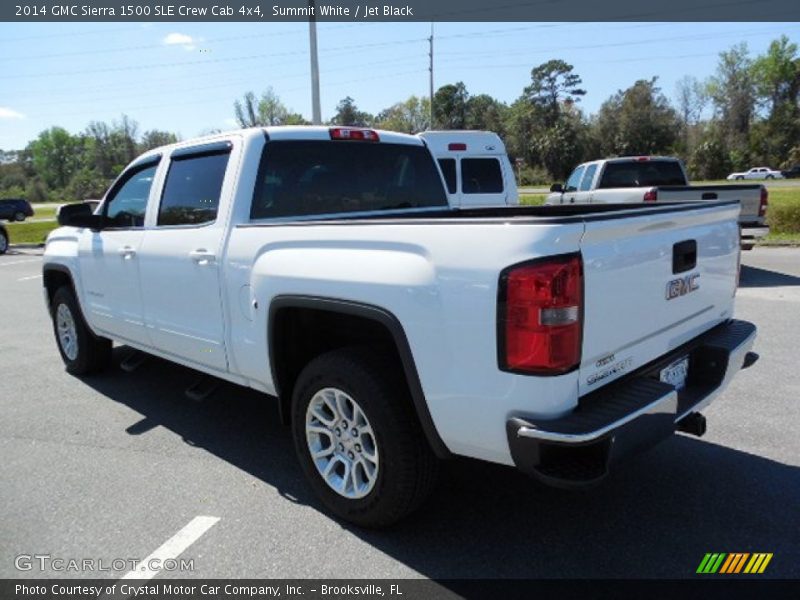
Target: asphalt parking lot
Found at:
116, 465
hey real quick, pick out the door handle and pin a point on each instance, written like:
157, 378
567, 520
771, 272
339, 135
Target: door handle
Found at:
202, 256
126, 252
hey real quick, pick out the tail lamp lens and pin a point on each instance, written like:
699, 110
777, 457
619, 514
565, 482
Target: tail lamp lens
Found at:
540, 316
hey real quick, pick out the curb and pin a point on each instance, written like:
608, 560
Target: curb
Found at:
26, 246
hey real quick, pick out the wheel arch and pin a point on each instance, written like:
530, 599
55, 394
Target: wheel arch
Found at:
344, 322
54, 276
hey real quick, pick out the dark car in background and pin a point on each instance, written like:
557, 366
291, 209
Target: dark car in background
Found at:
15, 209
3, 239
792, 173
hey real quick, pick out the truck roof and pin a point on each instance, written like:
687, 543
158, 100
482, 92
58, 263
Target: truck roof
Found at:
288, 132
477, 142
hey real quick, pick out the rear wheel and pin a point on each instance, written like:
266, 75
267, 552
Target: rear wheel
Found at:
739, 178
19, 216
357, 437
770, 177
82, 351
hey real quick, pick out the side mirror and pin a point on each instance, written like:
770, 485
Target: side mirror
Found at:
556, 187
79, 215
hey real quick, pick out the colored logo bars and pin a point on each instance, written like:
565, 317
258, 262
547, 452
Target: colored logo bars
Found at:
735, 562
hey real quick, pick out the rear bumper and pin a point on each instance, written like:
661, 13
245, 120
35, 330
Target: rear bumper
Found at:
631, 414
750, 232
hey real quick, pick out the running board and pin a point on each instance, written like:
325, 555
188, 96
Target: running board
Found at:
133, 361
202, 389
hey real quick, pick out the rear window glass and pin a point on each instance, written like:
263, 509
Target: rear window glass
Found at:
298, 178
481, 176
448, 166
642, 174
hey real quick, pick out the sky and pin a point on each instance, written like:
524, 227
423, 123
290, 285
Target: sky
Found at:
185, 77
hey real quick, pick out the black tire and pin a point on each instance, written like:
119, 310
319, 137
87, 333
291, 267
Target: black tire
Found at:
770, 177
3, 241
739, 178
93, 353
408, 467
19, 216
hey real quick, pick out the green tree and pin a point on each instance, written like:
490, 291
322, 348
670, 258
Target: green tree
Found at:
411, 116
733, 93
56, 156
486, 113
155, 138
268, 110
553, 83
635, 121
347, 113
560, 147
777, 81
450, 106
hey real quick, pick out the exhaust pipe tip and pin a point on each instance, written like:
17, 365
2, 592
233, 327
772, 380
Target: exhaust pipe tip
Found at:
693, 424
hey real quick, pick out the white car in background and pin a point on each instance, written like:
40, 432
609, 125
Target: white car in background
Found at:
757, 173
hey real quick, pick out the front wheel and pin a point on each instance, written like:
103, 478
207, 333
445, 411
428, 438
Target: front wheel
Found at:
770, 177
357, 437
19, 216
739, 178
3, 242
82, 351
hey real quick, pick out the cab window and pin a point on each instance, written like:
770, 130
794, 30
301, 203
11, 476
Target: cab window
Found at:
127, 203
586, 182
574, 179
192, 190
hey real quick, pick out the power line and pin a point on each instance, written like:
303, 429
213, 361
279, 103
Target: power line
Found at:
208, 61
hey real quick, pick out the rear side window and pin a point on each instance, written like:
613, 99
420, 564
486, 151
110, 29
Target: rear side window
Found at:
481, 176
574, 180
192, 190
586, 182
448, 167
645, 173
301, 178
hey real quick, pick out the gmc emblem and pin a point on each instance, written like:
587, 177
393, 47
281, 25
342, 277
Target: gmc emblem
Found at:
682, 286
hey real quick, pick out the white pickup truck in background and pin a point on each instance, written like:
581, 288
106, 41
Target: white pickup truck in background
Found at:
659, 179
324, 268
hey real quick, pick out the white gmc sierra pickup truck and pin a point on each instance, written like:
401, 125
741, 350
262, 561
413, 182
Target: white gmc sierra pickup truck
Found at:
659, 179
324, 267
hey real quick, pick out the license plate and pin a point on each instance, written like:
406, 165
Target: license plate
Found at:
676, 373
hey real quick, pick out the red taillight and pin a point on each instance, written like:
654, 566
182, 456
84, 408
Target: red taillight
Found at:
348, 133
650, 195
762, 207
540, 316
456, 147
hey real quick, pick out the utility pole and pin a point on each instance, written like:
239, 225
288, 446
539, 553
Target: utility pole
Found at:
316, 114
430, 68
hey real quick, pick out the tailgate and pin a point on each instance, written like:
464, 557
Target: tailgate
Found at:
653, 282
748, 195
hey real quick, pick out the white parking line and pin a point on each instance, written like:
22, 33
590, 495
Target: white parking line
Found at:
172, 548
31, 277
20, 262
